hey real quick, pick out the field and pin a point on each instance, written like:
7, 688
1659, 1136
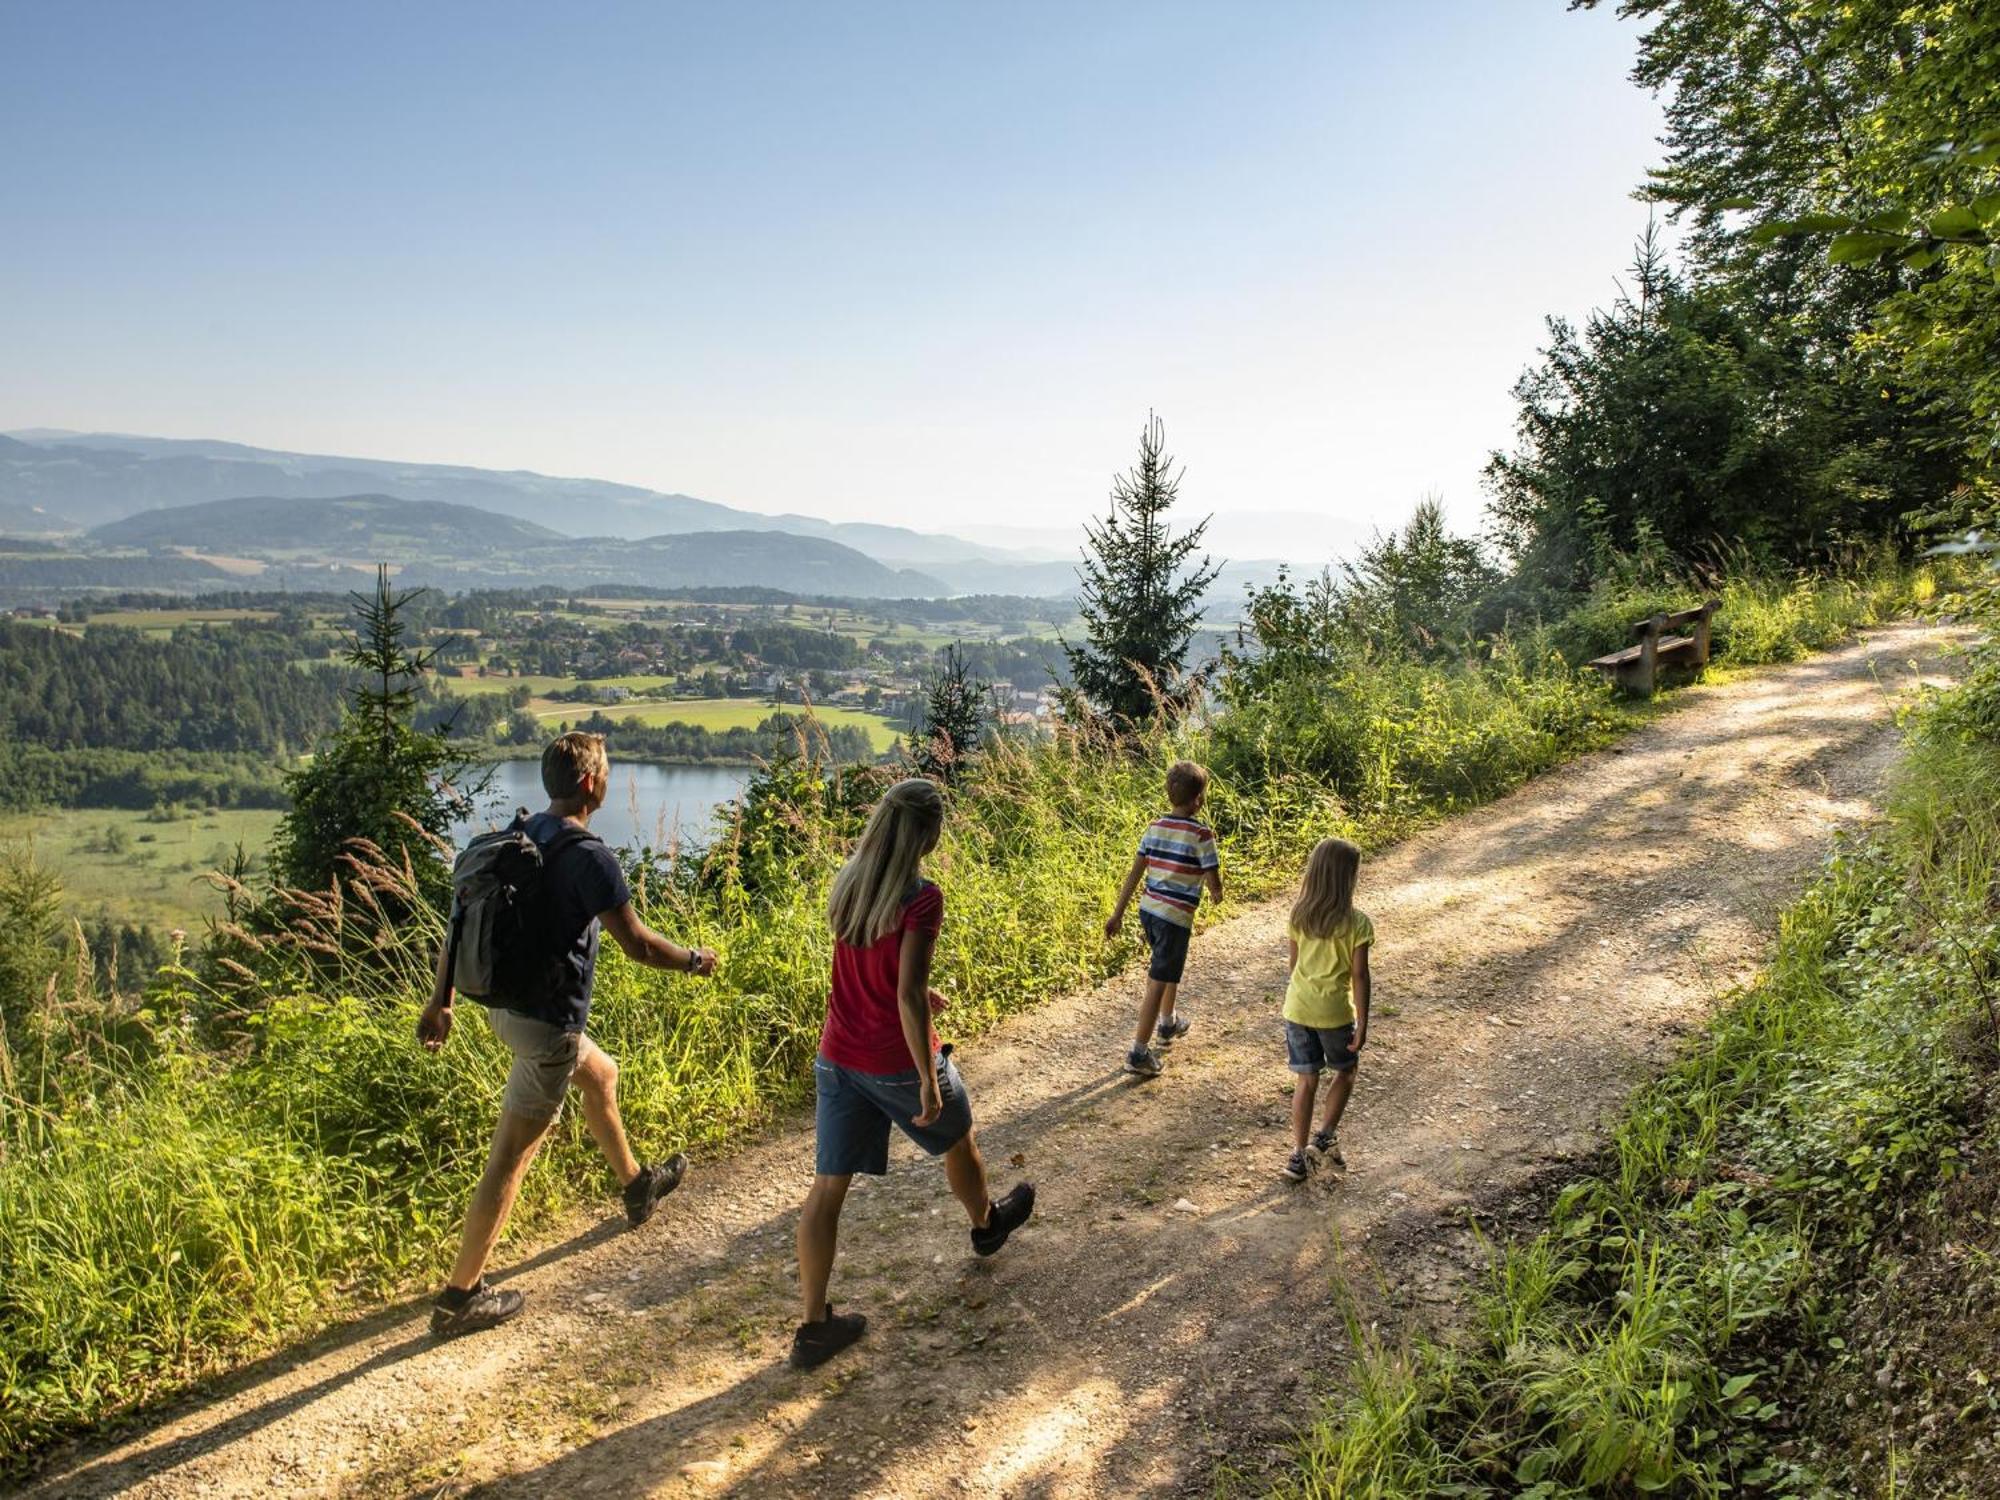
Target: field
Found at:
469, 686
137, 866
166, 621
716, 714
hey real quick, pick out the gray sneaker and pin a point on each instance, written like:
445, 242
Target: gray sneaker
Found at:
485, 1306
1170, 1030
1295, 1168
1326, 1147
1143, 1061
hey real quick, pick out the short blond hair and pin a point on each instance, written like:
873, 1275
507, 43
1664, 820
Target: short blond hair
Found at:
569, 759
1185, 782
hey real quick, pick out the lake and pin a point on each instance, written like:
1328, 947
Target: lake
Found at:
647, 804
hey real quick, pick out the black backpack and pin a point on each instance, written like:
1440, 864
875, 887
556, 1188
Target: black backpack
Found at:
505, 950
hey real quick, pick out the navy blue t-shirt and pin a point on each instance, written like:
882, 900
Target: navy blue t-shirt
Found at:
584, 882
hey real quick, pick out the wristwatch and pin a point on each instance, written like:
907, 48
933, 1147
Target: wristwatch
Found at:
694, 959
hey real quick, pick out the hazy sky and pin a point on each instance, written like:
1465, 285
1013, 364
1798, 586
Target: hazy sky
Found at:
926, 263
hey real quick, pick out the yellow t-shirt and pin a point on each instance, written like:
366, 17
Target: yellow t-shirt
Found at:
1321, 993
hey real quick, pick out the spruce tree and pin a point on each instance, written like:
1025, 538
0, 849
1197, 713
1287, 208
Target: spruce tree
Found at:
950, 718
1141, 592
378, 769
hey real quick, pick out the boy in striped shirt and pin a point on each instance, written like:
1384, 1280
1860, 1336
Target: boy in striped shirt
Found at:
1177, 860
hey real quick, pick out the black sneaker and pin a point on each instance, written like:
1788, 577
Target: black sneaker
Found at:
644, 1192
485, 1306
1143, 1061
1170, 1030
1295, 1168
815, 1343
1008, 1215
1326, 1147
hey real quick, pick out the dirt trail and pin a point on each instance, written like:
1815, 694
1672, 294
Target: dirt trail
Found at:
1172, 1305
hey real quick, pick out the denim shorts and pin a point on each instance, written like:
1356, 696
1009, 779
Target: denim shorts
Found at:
1169, 942
1320, 1049
855, 1111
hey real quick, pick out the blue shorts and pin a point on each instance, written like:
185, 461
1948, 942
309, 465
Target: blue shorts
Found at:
855, 1111
1320, 1049
1169, 942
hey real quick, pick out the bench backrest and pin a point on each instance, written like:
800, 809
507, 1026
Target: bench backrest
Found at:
1664, 623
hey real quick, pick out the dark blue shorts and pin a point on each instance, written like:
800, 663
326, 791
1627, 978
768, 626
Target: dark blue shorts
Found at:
1320, 1049
1169, 942
855, 1111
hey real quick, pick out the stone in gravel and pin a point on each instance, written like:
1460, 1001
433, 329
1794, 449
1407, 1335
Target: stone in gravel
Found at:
1186, 1206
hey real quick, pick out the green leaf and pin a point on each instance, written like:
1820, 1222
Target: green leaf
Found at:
1734, 203
1736, 1385
1987, 207
1889, 221
1959, 219
1862, 245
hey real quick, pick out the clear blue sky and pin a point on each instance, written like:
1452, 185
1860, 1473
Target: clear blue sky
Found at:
924, 263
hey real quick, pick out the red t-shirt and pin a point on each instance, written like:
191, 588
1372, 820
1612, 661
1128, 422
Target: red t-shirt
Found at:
864, 1024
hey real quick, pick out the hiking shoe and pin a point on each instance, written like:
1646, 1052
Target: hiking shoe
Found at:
1295, 1168
1008, 1215
1326, 1147
644, 1192
816, 1343
1143, 1061
485, 1306
1169, 1030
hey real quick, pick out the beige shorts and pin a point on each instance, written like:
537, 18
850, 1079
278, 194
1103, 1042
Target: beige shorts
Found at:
545, 1057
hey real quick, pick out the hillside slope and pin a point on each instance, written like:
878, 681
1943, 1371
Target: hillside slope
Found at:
1172, 1303
345, 526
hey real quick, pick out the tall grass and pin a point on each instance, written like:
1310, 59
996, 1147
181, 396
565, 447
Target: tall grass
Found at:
191, 1177
1639, 1343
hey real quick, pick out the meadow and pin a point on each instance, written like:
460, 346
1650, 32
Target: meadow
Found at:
716, 713
139, 866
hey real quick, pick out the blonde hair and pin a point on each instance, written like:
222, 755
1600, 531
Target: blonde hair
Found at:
869, 891
1185, 782
569, 759
1326, 895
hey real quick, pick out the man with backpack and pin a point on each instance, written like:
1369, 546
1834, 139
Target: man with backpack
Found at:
527, 902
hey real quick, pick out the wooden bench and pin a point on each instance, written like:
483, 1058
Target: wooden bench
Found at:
1636, 669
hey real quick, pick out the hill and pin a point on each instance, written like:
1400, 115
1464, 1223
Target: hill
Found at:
100, 477
352, 527
316, 543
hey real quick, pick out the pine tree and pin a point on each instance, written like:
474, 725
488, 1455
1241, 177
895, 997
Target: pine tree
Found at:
1141, 593
378, 770
950, 719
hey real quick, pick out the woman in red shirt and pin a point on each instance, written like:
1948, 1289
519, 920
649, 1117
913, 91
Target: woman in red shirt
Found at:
879, 1060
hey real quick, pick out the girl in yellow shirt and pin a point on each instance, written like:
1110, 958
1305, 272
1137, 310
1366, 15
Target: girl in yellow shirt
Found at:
1326, 1001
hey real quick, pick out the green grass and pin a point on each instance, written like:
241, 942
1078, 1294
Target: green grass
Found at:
165, 621
474, 686
716, 714
137, 866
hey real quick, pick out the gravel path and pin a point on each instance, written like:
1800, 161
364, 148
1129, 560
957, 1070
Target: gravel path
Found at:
1175, 1305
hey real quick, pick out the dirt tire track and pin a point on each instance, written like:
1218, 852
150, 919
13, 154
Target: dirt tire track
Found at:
1534, 958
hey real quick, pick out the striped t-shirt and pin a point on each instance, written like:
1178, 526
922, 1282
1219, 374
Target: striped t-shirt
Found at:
1177, 851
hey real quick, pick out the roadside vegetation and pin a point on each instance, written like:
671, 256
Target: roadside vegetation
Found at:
254, 1141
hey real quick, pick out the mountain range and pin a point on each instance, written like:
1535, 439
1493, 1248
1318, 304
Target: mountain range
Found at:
476, 527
